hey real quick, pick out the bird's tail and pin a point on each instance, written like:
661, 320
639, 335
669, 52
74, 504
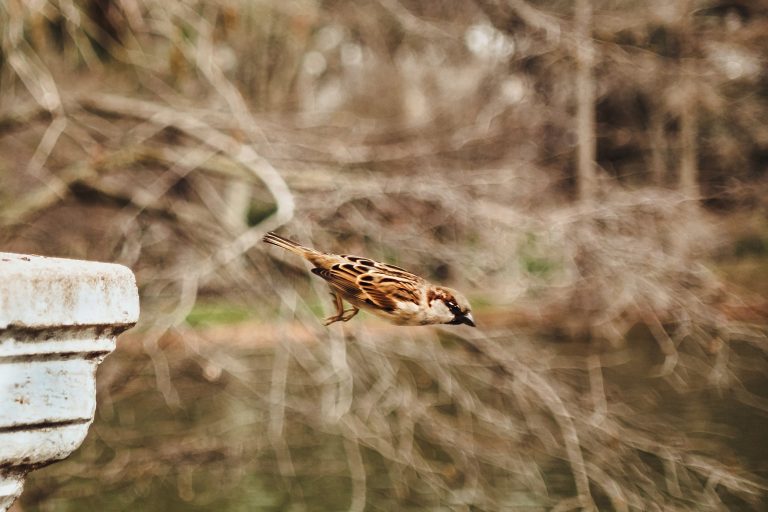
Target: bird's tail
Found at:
290, 245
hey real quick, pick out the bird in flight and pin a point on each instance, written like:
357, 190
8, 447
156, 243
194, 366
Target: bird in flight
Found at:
388, 291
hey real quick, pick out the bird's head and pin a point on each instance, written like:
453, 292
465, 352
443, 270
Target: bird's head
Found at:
447, 306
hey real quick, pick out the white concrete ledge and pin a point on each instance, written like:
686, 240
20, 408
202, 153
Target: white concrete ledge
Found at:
58, 319
36, 291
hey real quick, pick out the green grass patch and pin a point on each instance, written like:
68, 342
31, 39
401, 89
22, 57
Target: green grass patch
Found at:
218, 313
257, 212
535, 260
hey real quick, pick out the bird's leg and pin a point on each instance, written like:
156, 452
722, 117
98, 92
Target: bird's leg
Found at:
342, 315
349, 314
339, 303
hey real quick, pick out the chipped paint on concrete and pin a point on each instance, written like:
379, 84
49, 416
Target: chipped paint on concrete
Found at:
58, 320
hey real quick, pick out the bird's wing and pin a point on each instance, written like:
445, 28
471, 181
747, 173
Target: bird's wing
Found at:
339, 281
367, 281
386, 291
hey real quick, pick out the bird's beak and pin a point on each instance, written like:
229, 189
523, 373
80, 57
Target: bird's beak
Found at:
467, 319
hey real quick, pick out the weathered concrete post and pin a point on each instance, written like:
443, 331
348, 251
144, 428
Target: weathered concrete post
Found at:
58, 320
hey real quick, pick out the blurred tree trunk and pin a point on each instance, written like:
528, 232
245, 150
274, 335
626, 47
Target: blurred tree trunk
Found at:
688, 174
688, 182
658, 143
585, 102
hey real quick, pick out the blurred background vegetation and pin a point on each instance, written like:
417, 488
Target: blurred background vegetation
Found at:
592, 173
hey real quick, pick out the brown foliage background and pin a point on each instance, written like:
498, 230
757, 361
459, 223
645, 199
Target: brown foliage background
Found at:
584, 170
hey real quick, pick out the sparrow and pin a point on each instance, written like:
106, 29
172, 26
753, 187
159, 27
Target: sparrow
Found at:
388, 291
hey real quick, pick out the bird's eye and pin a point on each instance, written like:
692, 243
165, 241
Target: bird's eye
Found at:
453, 307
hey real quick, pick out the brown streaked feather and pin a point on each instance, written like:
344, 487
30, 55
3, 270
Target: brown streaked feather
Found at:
384, 268
386, 292
340, 282
366, 281
295, 247
314, 256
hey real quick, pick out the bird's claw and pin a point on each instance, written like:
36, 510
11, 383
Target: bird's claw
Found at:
344, 316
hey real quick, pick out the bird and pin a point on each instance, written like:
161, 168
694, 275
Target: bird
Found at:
385, 290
